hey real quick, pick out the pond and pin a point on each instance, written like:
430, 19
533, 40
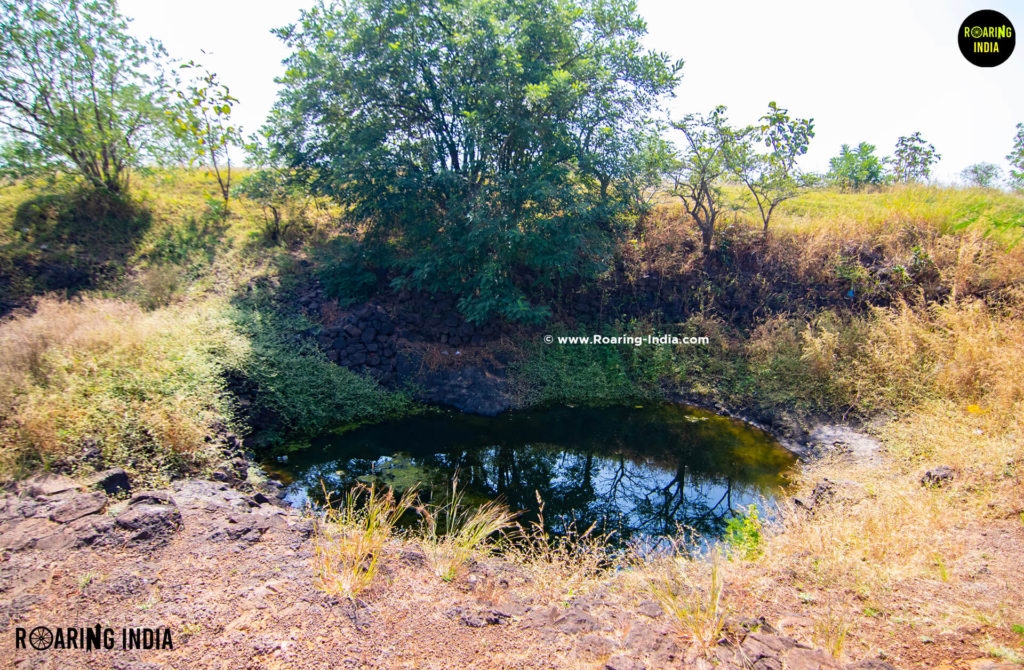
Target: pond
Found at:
640, 471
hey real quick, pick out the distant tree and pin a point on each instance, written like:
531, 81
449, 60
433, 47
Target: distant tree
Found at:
482, 145
1016, 158
854, 169
78, 92
913, 159
699, 170
202, 119
772, 176
982, 175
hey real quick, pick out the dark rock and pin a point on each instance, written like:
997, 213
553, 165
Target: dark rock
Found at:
477, 618
149, 521
623, 662
112, 481
77, 506
939, 476
869, 664
368, 335
152, 497
94, 530
577, 621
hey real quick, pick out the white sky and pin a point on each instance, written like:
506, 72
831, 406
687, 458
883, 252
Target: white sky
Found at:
866, 71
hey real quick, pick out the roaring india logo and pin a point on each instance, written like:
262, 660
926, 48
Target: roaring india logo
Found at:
986, 38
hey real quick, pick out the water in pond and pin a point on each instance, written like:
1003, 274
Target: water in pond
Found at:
636, 470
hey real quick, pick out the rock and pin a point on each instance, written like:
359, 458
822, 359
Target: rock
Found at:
79, 505
93, 530
576, 621
112, 481
48, 485
763, 645
152, 498
477, 618
623, 662
939, 476
247, 528
149, 521
34, 534
869, 664
801, 658
651, 609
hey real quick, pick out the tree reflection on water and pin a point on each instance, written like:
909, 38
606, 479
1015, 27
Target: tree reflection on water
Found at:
639, 471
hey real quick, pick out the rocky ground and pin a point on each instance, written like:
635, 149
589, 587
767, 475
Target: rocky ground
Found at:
229, 573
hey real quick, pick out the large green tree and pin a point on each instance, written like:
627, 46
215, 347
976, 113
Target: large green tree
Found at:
77, 91
487, 145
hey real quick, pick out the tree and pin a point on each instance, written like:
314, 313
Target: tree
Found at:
480, 143
772, 177
981, 175
913, 159
203, 121
1016, 158
77, 91
698, 173
857, 168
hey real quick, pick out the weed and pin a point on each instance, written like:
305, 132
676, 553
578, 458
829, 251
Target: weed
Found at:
743, 534
349, 540
830, 631
691, 599
454, 531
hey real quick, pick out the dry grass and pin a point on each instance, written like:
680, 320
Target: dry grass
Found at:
142, 387
691, 595
452, 533
349, 541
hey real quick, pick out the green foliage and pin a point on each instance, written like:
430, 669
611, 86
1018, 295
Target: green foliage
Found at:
296, 382
77, 91
349, 271
772, 177
913, 159
710, 143
855, 169
981, 175
202, 120
272, 189
1016, 158
490, 144
744, 534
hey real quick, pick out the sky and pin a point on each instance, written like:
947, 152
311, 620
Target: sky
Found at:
870, 70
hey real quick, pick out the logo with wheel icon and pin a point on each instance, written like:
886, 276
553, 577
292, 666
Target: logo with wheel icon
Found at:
40, 638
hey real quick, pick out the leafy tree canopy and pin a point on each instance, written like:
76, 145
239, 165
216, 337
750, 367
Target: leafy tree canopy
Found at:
1016, 158
486, 145
982, 175
913, 158
77, 91
856, 168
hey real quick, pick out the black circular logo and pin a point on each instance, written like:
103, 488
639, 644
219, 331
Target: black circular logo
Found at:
986, 38
40, 638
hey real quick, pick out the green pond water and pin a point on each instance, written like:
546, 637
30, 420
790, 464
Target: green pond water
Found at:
640, 471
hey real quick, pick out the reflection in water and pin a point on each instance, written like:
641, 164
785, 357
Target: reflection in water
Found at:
640, 471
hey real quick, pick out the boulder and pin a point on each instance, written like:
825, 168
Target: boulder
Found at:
79, 505
112, 481
48, 485
939, 476
151, 515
